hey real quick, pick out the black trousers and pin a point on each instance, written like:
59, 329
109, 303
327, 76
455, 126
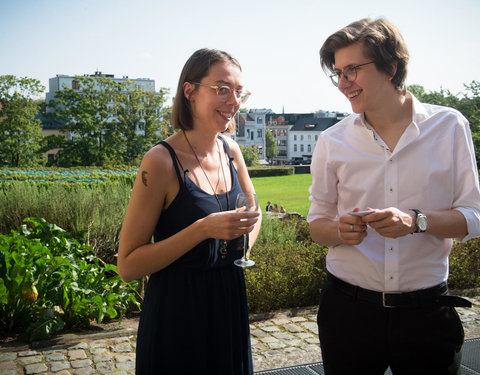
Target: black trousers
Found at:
358, 337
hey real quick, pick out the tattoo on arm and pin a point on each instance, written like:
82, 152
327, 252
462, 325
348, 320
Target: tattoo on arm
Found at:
144, 177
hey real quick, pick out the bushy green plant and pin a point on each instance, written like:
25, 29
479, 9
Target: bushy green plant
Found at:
289, 270
48, 281
93, 214
465, 265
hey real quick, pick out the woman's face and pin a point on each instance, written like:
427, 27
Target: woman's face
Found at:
209, 110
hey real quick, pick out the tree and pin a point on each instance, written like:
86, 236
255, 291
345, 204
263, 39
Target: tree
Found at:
110, 122
86, 115
142, 118
468, 104
249, 155
270, 145
20, 133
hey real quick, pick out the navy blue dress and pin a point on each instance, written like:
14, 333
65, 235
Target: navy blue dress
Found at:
194, 317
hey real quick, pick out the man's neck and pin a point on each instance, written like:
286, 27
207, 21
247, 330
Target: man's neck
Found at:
391, 118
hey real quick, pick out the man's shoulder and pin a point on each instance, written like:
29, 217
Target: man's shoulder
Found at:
439, 111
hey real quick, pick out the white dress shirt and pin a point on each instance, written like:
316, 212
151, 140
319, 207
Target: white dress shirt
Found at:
432, 167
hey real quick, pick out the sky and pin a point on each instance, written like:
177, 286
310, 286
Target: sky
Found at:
277, 42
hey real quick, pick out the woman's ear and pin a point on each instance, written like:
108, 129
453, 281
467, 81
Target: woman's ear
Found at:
188, 90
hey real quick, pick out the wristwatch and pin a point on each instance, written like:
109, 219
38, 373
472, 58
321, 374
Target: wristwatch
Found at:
421, 223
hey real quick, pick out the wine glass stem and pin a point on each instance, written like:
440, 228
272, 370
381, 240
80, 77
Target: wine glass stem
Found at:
244, 246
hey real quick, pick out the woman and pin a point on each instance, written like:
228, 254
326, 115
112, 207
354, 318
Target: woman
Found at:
195, 315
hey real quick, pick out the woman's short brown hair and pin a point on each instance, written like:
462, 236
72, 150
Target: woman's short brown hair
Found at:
197, 67
382, 42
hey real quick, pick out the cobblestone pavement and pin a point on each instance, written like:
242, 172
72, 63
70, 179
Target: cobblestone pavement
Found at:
280, 339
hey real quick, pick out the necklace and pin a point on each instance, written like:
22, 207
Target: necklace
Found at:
223, 249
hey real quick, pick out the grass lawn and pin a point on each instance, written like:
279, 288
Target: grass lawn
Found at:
288, 191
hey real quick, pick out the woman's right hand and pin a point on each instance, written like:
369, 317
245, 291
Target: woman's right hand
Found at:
229, 224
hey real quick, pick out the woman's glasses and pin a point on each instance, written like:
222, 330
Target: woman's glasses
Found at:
224, 92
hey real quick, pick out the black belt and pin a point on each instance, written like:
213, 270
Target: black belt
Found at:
434, 296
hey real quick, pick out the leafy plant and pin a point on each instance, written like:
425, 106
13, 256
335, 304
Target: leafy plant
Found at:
49, 281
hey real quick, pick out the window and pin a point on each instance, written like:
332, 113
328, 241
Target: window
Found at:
294, 137
301, 147
295, 147
75, 85
259, 133
259, 120
301, 137
309, 148
309, 137
251, 136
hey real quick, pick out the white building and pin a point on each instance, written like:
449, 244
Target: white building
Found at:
62, 81
251, 130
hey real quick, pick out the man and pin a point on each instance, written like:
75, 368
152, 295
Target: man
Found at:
385, 302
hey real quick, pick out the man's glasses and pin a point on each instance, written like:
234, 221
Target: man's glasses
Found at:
224, 92
349, 73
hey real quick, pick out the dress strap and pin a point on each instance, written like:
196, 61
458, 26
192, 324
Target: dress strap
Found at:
227, 148
176, 161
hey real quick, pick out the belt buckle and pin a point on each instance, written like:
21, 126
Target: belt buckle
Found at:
384, 301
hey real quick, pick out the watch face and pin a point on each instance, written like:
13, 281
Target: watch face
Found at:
422, 223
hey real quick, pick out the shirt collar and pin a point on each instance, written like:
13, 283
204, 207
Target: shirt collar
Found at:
419, 114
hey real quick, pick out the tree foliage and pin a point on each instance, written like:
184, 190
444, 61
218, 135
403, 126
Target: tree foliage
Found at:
468, 103
20, 133
270, 145
109, 122
250, 155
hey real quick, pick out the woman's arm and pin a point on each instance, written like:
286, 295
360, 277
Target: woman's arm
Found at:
155, 187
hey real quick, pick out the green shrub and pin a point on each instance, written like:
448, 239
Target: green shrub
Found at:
465, 265
92, 214
48, 281
289, 269
270, 171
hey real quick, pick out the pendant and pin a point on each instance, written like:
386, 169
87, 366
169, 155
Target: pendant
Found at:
223, 250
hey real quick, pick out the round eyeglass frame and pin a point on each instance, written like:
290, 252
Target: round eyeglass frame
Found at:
243, 95
348, 73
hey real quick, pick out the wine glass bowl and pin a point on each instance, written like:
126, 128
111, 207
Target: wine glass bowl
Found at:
250, 202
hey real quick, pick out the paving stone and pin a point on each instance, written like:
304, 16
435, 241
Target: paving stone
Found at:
282, 336
126, 365
7, 356
290, 327
76, 354
122, 348
27, 353
81, 363
84, 371
258, 333
80, 345
58, 366
270, 329
124, 357
105, 367
102, 358
7, 365
55, 357
30, 360
297, 319
98, 344
36, 368
311, 326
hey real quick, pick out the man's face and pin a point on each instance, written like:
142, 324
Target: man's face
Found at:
367, 91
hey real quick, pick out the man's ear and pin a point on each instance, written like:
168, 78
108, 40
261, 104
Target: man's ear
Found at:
188, 89
394, 66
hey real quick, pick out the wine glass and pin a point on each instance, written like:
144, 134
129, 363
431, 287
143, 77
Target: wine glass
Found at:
250, 202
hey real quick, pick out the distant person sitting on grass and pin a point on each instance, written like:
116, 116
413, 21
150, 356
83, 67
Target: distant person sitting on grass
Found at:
269, 207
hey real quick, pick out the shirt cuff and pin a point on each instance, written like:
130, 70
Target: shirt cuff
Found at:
473, 223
